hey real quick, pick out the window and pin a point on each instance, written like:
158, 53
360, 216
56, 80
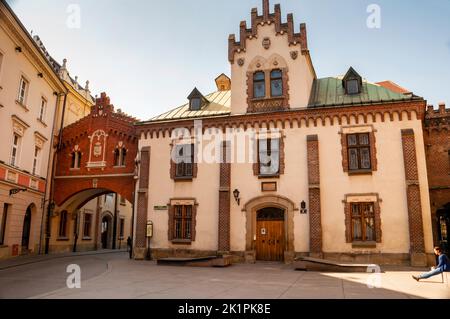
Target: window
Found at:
276, 83
87, 225
122, 200
196, 104
122, 228
182, 227
23, 90
269, 156
42, 110
1, 62
63, 224
76, 160
119, 157
15, 152
352, 87
36, 161
184, 160
3, 223
449, 161
259, 85
359, 152
363, 222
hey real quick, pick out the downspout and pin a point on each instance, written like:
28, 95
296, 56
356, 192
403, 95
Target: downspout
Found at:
49, 180
115, 223
52, 190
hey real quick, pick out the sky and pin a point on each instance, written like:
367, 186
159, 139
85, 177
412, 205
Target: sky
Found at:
148, 55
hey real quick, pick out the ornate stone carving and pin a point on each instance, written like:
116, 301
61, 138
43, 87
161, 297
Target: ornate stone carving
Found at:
266, 43
241, 62
294, 55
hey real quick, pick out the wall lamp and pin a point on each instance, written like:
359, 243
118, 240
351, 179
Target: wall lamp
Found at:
303, 209
18, 49
15, 191
41, 75
236, 195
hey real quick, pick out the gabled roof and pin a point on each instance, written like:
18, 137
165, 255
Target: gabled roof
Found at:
219, 105
330, 92
394, 87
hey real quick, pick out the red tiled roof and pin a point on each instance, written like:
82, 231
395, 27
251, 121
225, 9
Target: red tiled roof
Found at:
394, 87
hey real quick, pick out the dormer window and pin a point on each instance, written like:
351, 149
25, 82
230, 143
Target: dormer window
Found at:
196, 104
196, 100
352, 82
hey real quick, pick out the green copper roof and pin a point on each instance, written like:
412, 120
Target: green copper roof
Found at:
330, 92
219, 104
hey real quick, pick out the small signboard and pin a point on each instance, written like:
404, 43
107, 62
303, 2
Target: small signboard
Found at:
263, 231
149, 229
160, 207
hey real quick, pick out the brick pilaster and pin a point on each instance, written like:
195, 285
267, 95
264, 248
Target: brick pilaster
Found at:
416, 236
315, 218
224, 200
142, 204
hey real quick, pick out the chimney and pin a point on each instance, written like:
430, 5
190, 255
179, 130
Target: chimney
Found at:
430, 109
442, 108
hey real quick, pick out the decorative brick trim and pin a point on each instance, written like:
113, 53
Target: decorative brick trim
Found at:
268, 103
373, 151
171, 211
348, 217
142, 201
282, 159
224, 199
315, 215
416, 234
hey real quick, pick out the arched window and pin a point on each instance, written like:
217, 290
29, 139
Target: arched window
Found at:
76, 160
276, 83
259, 85
119, 157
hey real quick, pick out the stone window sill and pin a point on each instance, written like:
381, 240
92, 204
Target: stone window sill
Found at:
183, 179
268, 176
3, 246
62, 239
22, 105
364, 244
74, 169
122, 166
181, 241
360, 172
87, 238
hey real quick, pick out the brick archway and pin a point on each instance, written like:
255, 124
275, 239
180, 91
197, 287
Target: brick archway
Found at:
87, 155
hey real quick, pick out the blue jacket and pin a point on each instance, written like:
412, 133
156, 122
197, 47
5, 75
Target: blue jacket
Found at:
444, 263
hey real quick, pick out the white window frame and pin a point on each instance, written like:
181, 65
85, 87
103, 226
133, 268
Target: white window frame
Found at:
17, 147
42, 109
36, 161
23, 99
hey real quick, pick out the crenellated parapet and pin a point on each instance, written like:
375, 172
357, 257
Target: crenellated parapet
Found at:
437, 119
268, 18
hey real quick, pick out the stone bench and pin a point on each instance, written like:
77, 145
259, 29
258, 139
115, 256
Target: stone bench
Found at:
207, 261
323, 265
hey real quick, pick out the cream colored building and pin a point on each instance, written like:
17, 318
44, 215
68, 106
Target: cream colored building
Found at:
30, 93
345, 177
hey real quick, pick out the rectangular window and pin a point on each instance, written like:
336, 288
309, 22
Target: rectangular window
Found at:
182, 222
36, 160
184, 160
449, 161
3, 223
352, 87
42, 109
122, 200
87, 225
363, 222
15, 152
1, 63
122, 228
269, 156
23, 88
63, 224
359, 152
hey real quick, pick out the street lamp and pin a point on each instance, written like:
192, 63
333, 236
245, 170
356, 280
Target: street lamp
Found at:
236, 195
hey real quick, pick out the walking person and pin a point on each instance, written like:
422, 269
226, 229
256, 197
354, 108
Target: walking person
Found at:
130, 246
443, 265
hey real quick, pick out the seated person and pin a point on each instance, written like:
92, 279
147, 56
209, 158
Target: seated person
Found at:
444, 265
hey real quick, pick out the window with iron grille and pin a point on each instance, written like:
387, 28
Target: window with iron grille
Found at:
182, 219
63, 224
359, 152
363, 222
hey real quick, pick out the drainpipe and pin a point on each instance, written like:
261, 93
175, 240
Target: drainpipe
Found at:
115, 223
52, 190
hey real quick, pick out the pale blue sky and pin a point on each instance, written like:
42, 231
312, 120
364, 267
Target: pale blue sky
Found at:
148, 55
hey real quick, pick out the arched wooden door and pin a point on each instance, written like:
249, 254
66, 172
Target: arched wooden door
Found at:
26, 230
270, 234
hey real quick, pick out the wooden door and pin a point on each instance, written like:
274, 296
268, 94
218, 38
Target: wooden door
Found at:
270, 240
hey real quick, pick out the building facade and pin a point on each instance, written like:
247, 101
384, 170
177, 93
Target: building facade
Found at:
30, 92
278, 163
